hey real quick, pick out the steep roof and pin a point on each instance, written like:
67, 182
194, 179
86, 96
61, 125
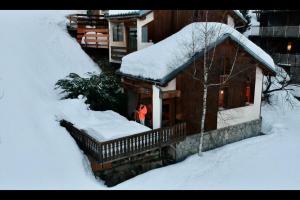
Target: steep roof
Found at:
165, 59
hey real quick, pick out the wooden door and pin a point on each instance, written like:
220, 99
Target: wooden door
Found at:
168, 112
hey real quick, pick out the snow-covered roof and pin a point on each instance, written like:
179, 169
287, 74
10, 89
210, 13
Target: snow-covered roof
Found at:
156, 62
238, 13
122, 12
126, 13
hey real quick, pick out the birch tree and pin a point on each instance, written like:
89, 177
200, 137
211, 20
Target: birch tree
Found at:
202, 38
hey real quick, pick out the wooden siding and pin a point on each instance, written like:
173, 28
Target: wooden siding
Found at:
167, 22
189, 105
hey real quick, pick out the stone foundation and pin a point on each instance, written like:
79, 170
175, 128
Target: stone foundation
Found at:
216, 138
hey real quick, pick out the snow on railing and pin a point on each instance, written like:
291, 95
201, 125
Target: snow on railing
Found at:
125, 147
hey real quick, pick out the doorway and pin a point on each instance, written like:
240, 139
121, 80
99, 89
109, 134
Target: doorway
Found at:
132, 39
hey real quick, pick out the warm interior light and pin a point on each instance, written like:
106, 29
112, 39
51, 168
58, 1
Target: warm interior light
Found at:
222, 91
289, 46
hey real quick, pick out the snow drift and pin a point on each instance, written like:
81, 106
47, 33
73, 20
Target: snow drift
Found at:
35, 152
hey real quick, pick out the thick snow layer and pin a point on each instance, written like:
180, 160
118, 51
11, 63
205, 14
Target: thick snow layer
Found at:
35, 152
295, 89
100, 125
264, 162
240, 15
254, 24
122, 12
157, 61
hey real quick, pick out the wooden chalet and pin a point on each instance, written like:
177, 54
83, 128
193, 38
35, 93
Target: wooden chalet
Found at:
132, 30
177, 96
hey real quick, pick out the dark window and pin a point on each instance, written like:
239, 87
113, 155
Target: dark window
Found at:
145, 33
117, 32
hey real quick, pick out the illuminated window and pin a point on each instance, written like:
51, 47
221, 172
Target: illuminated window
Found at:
223, 95
248, 93
289, 46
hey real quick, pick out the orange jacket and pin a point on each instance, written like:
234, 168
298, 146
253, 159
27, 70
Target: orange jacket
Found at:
142, 113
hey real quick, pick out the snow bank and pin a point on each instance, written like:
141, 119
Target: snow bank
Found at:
254, 24
157, 61
102, 126
35, 152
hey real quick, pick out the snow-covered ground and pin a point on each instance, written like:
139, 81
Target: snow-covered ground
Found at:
35, 152
267, 162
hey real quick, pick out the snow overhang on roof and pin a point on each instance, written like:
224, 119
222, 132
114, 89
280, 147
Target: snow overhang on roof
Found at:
126, 13
156, 63
240, 15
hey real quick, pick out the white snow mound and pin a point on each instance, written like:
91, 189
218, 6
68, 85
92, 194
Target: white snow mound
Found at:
35, 152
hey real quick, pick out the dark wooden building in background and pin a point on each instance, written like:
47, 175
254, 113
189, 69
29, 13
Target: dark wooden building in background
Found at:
279, 35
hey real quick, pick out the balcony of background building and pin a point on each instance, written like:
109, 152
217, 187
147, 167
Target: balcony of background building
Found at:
275, 31
286, 59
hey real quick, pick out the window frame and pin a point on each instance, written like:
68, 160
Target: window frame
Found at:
117, 32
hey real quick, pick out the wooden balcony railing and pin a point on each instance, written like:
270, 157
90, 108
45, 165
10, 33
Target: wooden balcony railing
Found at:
93, 37
275, 31
128, 146
287, 59
83, 20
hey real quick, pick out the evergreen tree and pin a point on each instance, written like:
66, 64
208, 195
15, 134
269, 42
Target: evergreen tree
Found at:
102, 91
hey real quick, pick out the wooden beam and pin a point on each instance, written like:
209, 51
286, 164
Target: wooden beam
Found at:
170, 94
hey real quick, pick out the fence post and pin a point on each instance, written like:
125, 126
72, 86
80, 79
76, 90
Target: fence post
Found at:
100, 152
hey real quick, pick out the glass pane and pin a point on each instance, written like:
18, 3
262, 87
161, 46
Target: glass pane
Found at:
145, 34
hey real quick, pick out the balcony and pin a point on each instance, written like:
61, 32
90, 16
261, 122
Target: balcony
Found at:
275, 31
287, 59
82, 20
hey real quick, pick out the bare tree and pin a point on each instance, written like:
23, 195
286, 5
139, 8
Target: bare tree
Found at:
202, 38
281, 82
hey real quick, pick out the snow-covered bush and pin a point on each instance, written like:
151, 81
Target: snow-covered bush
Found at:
102, 91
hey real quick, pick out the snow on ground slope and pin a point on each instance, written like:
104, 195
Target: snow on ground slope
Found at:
35, 152
271, 161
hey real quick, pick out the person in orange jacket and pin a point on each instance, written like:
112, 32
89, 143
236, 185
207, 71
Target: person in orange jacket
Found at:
142, 113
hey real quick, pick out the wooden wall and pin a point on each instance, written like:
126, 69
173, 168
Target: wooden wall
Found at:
189, 105
168, 22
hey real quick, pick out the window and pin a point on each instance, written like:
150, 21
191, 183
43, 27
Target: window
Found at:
248, 93
117, 32
289, 46
223, 98
145, 33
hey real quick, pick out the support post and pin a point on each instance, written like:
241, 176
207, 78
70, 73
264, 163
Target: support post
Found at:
157, 107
